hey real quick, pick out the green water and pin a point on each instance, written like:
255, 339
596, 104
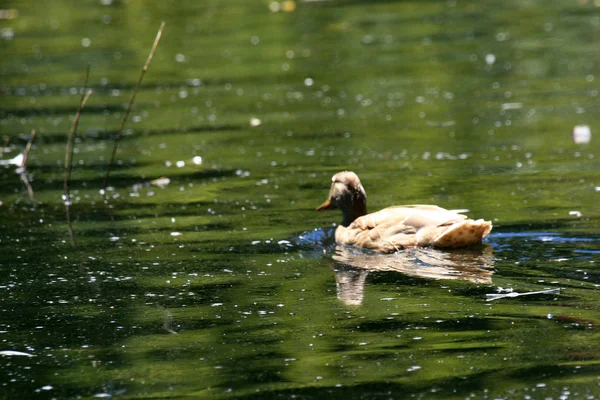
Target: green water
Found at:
225, 284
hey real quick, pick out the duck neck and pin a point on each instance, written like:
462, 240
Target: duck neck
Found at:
351, 213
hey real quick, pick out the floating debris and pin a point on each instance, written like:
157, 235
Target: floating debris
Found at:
512, 106
10, 13
161, 182
14, 353
17, 160
442, 124
575, 213
255, 122
582, 134
197, 160
287, 6
496, 296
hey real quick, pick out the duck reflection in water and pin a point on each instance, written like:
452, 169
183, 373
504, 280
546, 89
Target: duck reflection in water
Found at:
352, 266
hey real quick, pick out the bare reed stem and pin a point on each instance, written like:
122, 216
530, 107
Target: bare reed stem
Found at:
69, 152
131, 100
27, 148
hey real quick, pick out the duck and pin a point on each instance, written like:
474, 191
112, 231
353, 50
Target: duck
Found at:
397, 227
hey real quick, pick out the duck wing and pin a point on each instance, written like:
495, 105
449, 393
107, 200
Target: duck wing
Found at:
386, 237
417, 216
394, 228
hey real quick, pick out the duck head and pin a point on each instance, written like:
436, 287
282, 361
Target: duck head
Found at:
348, 195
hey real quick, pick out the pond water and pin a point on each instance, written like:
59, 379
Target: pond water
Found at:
225, 283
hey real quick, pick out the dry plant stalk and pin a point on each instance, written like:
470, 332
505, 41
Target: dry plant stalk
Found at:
71, 137
131, 100
27, 149
69, 152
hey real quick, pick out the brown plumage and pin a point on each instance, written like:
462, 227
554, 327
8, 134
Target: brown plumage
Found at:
397, 227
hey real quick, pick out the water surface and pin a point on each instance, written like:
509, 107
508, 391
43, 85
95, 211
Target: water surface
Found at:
225, 283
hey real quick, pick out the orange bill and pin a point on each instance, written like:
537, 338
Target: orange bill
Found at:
325, 206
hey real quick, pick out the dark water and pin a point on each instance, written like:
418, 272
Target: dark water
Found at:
226, 283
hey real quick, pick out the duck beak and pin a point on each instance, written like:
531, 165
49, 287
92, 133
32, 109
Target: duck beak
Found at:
326, 206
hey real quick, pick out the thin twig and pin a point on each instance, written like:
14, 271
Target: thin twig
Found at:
85, 94
131, 100
25, 180
69, 152
71, 137
27, 148
69, 225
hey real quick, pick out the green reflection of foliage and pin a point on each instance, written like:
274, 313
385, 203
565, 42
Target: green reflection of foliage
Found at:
400, 92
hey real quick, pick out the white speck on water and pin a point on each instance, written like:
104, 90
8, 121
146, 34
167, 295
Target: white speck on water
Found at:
255, 122
216, 304
180, 164
582, 134
85, 42
575, 213
309, 82
490, 59
413, 368
180, 58
114, 238
512, 106
176, 233
197, 160
274, 6
8, 33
